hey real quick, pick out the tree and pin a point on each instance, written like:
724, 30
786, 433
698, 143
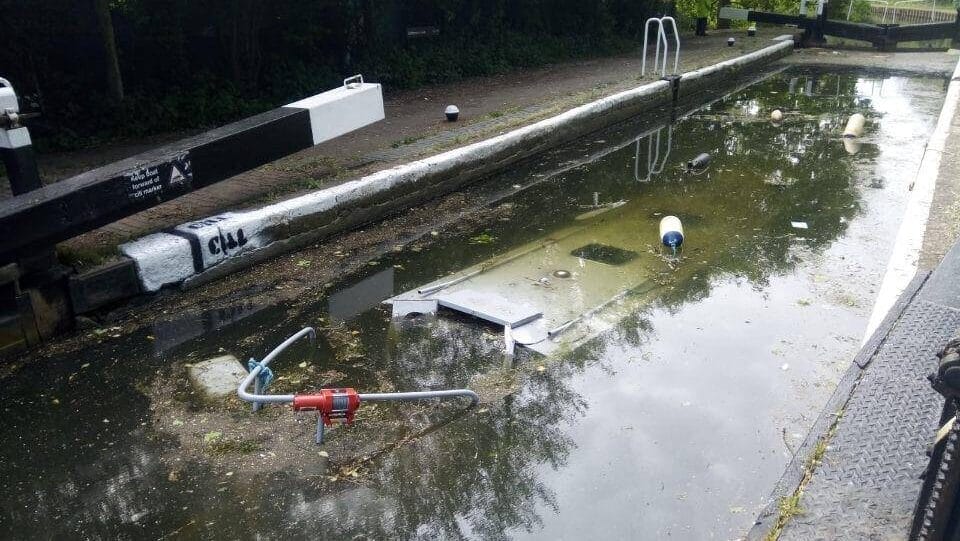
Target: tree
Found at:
245, 20
113, 79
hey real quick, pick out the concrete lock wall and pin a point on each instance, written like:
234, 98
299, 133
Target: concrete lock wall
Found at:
202, 250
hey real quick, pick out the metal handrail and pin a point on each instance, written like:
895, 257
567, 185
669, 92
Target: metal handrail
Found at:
654, 153
896, 6
676, 38
646, 33
661, 38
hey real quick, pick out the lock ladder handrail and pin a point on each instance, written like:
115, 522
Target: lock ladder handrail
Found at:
676, 38
654, 165
646, 39
661, 38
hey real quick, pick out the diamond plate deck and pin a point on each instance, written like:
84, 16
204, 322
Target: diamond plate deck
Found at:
867, 483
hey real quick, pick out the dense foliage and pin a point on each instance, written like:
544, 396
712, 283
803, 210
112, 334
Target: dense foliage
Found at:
193, 63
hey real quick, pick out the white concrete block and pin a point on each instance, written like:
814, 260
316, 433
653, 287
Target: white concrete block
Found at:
217, 378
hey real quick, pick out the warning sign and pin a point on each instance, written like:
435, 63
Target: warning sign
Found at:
143, 182
155, 180
181, 171
176, 176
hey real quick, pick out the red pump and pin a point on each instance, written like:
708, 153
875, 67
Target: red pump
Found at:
330, 404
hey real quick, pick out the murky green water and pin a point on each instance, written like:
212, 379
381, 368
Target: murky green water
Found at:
677, 420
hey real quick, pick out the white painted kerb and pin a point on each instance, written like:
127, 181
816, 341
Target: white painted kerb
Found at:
906, 249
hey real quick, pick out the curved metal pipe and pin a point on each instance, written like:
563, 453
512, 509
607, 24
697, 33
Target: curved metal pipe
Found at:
257, 398
247, 381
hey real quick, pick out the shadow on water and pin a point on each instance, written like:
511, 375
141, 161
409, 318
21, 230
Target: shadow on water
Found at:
81, 455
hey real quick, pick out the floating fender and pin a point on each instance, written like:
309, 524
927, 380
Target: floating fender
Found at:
699, 162
671, 231
854, 125
776, 115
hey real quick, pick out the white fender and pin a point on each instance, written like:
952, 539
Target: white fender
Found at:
671, 231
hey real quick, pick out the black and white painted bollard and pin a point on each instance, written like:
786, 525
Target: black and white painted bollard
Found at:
452, 112
16, 147
731, 41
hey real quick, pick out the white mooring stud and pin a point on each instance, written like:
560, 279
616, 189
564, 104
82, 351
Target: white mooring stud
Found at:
452, 112
776, 115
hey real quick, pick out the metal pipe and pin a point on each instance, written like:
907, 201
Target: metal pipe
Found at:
562, 327
661, 37
272, 398
443, 285
419, 395
636, 162
656, 158
258, 398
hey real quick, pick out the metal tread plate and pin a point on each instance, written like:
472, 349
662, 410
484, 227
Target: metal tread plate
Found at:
868, 481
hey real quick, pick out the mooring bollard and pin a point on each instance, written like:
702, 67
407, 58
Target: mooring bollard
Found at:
452, 112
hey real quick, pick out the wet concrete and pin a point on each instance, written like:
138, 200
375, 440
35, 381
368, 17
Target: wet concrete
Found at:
677, 420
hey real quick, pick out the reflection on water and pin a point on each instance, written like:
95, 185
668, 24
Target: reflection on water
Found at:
172, 333
676, 420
